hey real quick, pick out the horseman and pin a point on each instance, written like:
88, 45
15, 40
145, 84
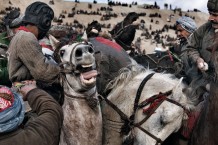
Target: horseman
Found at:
124, 32
26, 60
11, 22
111, 58
203, 52
185, 27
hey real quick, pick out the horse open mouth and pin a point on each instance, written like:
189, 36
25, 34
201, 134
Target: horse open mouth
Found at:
88, 74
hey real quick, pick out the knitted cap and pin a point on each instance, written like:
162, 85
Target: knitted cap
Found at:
187, 23
212, 5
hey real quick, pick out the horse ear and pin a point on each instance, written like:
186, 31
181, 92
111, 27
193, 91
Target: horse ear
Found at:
176, 89
180, 82
85, 37
54, 42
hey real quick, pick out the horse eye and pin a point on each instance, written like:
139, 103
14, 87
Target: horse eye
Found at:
90, 49
62, 53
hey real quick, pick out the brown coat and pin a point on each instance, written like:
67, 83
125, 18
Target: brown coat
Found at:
26, 60
41, 130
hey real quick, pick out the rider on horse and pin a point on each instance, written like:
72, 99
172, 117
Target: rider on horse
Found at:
26, 60
185, 27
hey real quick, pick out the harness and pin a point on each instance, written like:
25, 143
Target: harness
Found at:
158, 66
91, 101
129, 122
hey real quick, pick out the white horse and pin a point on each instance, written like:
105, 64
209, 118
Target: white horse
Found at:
125, 123
82, 114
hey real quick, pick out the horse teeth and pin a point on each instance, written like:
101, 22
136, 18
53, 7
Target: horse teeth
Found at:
85, 66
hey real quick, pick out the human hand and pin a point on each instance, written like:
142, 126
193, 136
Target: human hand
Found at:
25, 87
202, 65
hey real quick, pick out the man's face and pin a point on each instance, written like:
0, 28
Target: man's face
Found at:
182, 33
214, 19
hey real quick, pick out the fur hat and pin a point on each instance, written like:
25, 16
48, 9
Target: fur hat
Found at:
39, 14
212, 5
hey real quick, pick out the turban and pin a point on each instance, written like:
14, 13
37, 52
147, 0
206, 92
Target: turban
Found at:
11, 110
187, 23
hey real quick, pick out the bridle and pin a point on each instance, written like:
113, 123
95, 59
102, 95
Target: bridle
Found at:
129, 121
72, 69
92, 102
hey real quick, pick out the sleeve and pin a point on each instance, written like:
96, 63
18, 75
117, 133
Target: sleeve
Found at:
45, 128
195, 43
32, 57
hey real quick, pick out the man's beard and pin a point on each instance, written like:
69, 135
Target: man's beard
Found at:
214, 24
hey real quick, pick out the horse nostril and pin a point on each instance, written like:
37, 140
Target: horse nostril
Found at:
79, 53
90, 49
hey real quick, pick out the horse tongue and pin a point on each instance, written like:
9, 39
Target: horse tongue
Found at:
90, 74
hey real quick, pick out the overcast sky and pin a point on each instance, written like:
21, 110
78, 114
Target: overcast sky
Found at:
184, 4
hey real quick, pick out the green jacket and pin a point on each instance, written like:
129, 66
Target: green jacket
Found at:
2, 38
4, 77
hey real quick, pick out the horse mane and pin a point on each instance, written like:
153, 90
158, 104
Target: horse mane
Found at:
128, 73
125, 75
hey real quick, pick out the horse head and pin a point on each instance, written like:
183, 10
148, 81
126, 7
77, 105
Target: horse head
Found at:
81, 107
124, 32
79, 66
150, 116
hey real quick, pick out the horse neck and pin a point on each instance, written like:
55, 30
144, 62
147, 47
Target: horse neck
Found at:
86, 93
126, 23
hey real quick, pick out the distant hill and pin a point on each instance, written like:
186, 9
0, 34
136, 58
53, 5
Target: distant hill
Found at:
60, 6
